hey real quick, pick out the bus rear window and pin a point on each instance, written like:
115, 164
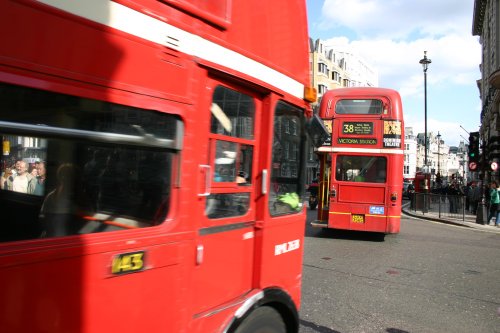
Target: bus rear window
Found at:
74, 166
359, 106
353, 168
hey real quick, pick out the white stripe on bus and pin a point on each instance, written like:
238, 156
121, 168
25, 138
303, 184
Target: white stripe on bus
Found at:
125, 19
360, 150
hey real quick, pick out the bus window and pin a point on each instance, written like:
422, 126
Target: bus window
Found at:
244, 177
225, 161
359, 106
233, 113
353, 168
101, 166
227, 205
287, 161
232, 128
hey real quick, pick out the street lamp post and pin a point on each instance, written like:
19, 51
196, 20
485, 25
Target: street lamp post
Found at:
425, 64
439, 155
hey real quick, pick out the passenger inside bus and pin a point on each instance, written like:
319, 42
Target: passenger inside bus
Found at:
64, 203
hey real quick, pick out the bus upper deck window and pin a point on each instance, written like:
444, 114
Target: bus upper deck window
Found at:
359, 106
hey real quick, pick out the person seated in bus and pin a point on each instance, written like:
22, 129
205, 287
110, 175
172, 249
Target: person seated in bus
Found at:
359, 178
62, 208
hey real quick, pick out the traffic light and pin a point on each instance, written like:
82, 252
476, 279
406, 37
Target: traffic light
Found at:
474, 147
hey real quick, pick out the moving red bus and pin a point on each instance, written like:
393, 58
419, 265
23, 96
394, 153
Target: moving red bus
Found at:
361, 167
153, 165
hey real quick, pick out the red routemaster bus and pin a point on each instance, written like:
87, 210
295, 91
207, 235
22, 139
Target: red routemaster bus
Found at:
361, 166
152, 165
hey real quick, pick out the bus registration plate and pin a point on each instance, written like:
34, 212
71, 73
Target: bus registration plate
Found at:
358, 218
377, 210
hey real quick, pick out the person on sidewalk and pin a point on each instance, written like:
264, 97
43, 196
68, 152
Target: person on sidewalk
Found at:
452, 194
476, 196
411, 194
487, 193
468, 194
497, 217
494, 201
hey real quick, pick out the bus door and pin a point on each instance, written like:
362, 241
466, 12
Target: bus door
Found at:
325, 182
280, 210
225, 249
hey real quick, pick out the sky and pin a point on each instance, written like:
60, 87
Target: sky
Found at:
392, 35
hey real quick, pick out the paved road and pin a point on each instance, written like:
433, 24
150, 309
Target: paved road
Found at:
431, 277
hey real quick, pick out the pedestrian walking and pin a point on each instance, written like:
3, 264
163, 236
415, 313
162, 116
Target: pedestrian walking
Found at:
467, 191
494, 201
476, 196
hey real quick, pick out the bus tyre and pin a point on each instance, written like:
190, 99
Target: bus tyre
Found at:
262, 320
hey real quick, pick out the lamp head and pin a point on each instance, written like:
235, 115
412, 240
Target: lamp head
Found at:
425, 61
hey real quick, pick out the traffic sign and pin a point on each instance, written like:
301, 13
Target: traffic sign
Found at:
472, 166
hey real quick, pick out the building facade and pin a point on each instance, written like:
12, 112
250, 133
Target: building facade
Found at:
410, 159
486, 25
445, 163
332, 68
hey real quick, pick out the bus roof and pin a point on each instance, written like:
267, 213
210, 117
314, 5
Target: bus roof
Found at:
328, 100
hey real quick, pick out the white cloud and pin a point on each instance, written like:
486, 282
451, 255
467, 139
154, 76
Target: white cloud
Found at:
392, 35
398, 18
454, 58
450, 131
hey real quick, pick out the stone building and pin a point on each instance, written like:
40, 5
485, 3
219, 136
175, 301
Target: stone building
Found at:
332, 68
486, 25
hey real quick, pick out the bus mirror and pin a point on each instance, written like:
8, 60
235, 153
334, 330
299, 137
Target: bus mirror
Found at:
317, 131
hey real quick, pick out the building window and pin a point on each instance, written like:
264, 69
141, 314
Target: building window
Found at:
335, 76
322, 68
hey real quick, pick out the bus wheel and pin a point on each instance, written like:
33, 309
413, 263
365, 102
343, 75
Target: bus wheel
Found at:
263, 320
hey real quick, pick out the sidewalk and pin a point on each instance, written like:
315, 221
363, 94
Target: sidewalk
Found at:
468, 220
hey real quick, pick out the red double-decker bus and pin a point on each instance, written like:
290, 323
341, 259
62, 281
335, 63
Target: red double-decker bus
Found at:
153, 165
361, 167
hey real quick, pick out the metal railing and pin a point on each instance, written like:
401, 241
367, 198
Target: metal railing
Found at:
446, 206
